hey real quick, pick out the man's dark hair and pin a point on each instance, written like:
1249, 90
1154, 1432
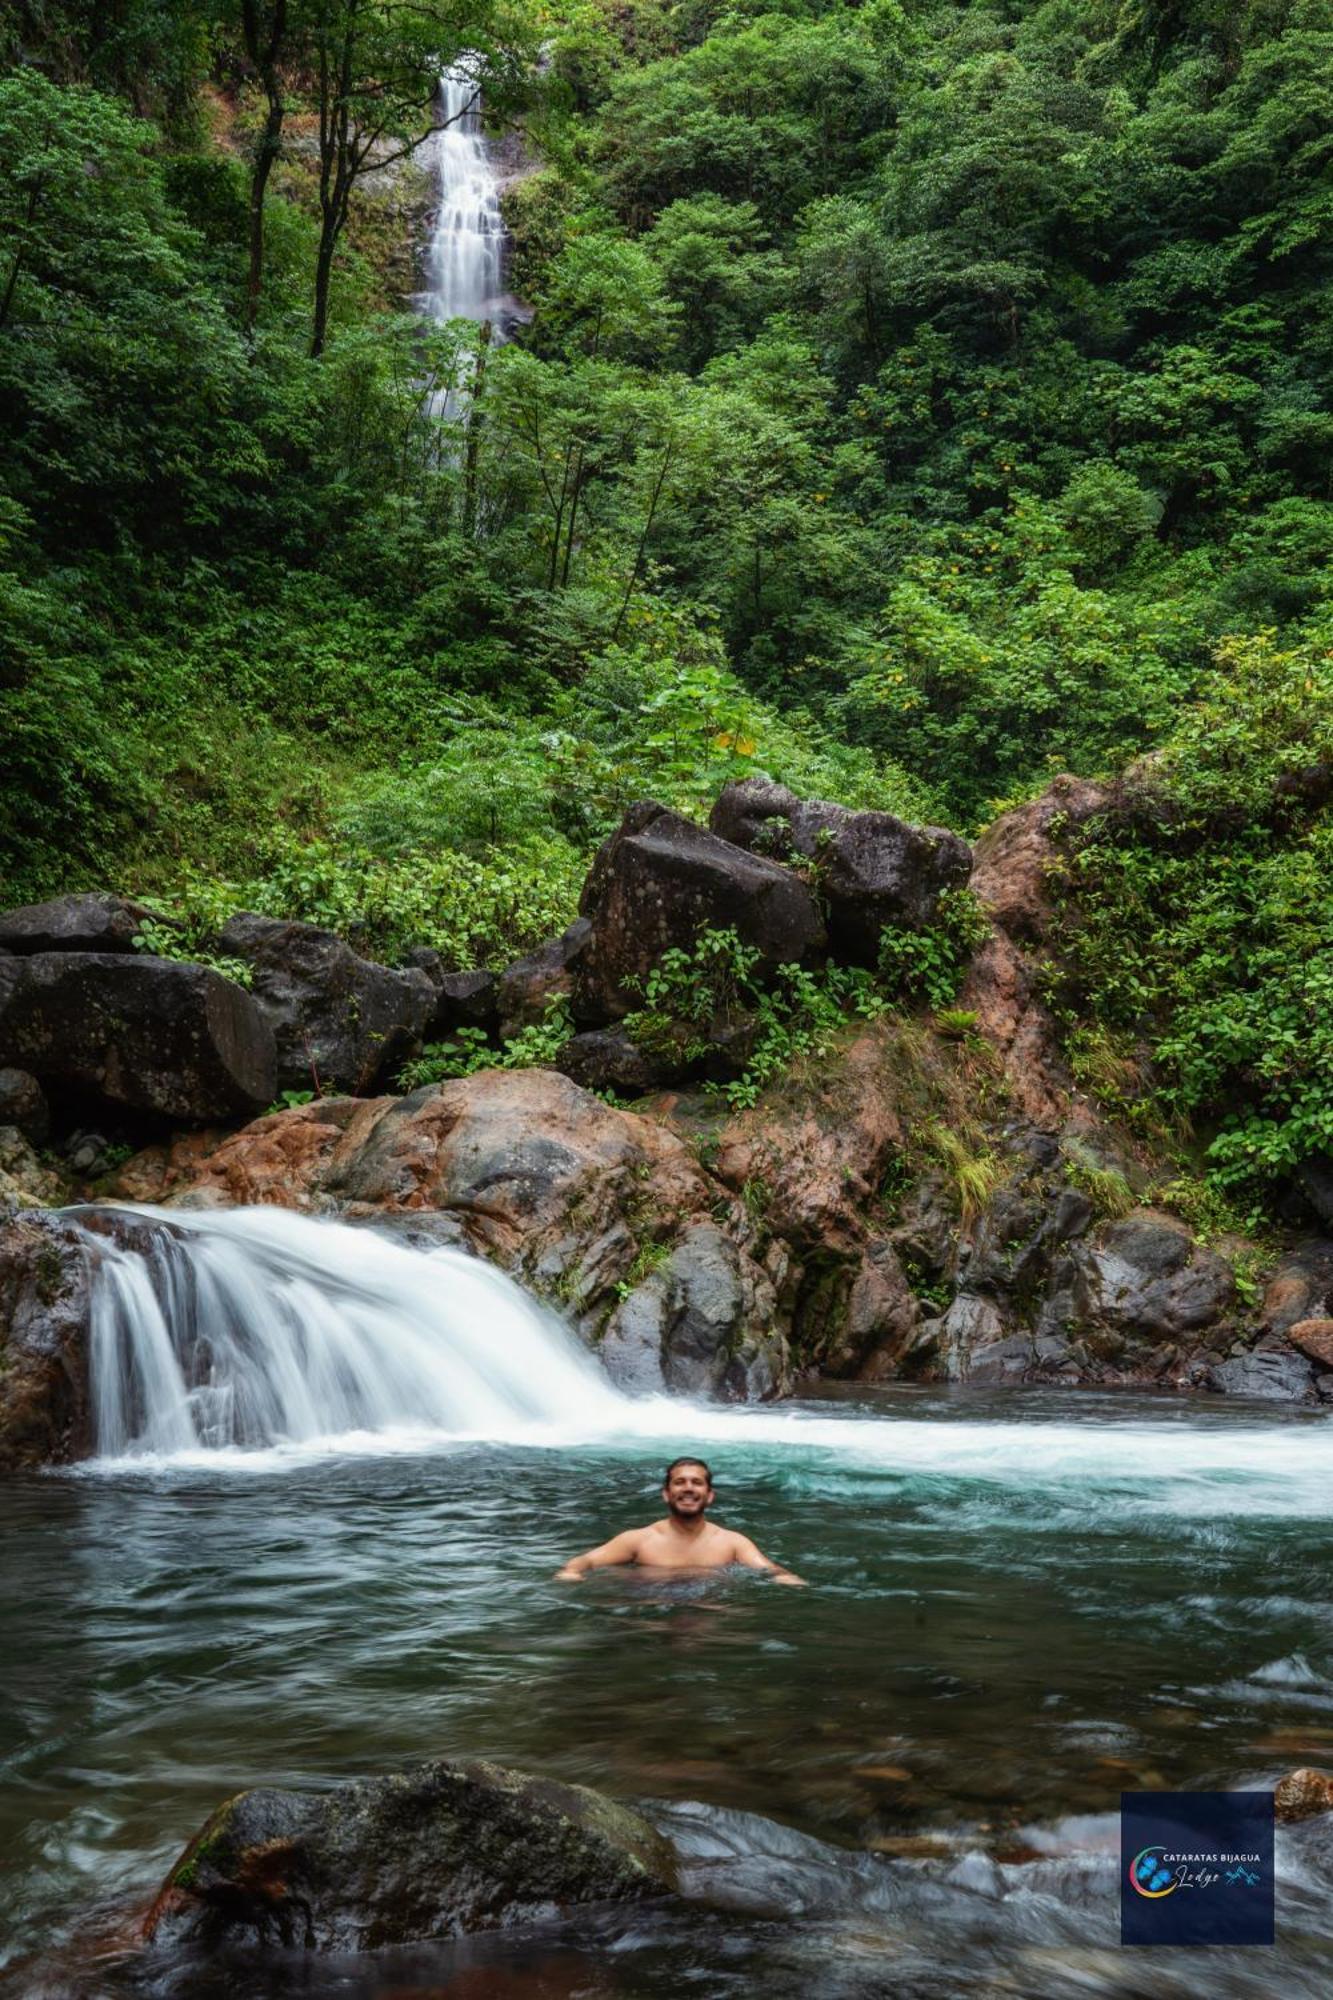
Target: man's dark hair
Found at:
702, 1463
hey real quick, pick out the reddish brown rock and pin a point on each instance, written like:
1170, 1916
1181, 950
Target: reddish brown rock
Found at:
1016, 856
1315, 1338
999, 990
1302, 1794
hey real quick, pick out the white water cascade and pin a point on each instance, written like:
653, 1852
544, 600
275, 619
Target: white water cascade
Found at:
254, 1328
255, 1339
465, 259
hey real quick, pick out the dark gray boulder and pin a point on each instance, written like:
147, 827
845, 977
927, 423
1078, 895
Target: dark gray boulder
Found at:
702, 1322
874, 869
444, 1849
1147, 1278
336, 1018
659, 881
171, 1040
91, 922
531, 986
1276, 1375
609, 1059
462, 999
23, 1104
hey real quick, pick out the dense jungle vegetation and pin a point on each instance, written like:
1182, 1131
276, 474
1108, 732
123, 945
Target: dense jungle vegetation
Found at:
919, 399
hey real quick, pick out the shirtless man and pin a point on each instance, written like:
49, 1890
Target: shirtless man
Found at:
685, 1541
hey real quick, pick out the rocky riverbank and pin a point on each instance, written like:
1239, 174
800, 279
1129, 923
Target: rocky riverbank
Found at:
923, 1196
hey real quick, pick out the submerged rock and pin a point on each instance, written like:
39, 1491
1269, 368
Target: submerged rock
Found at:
1302, 1794
339, 1021
172, 1040
443, 1849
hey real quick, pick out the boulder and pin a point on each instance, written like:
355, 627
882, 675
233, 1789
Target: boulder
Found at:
90, 922
1145, 1277
462, 999
23, 1104
1272, 1375
44, 1414
1302, 1794
172, 1040
659, 881
1301, 1287
1314, 1338
339, 1021
528, 988
701, 1323
445, 1848
609, 1059
26, 1181
874, 869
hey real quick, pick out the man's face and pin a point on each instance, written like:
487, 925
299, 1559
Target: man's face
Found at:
687, 1492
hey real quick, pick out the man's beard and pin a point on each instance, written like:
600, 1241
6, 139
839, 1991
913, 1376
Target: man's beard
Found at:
687, 1513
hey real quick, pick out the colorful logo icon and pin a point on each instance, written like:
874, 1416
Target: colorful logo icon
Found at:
1150, 1876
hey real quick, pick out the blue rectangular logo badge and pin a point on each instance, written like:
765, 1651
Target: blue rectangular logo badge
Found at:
1196, 1868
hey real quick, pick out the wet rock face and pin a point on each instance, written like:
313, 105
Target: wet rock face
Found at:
48, 1266
701, 1324
656, 884
874, 869
175, 1041
44, 1418
444, 1849
93, 922
1146, 1276
334, 1016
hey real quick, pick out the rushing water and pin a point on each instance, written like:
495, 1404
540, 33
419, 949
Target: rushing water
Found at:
900, 1781
465, 257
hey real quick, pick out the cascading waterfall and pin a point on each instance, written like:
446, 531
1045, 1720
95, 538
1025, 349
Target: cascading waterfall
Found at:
254, 1337
255, 1327
465, 259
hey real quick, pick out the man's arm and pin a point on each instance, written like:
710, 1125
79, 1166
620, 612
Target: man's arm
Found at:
745, 1553
621, 1548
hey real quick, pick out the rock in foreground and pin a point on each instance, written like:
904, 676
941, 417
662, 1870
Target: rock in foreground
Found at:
445, 1848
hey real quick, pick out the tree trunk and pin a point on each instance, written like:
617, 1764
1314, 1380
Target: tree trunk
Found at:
265, 55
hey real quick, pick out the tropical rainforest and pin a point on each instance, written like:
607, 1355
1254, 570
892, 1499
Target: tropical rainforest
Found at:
912, 401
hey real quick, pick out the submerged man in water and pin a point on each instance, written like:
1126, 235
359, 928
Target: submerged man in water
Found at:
685, 1540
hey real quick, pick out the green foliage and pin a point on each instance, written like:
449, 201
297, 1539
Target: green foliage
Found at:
929, 964
468, 1050
1198, 919
165, 939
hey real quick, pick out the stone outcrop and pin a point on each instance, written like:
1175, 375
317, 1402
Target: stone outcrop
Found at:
533, 984
659, 881
339, 1022
873, 869
444, 1849
90, 922
149, 1035
586, 1203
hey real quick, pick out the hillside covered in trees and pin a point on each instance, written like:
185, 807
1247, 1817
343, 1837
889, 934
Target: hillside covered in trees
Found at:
918, 401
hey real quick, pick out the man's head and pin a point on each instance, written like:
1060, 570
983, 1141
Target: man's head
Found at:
687, 1488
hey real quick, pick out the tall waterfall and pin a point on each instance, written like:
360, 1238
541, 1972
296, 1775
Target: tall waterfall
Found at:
465, 260
255, 1327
